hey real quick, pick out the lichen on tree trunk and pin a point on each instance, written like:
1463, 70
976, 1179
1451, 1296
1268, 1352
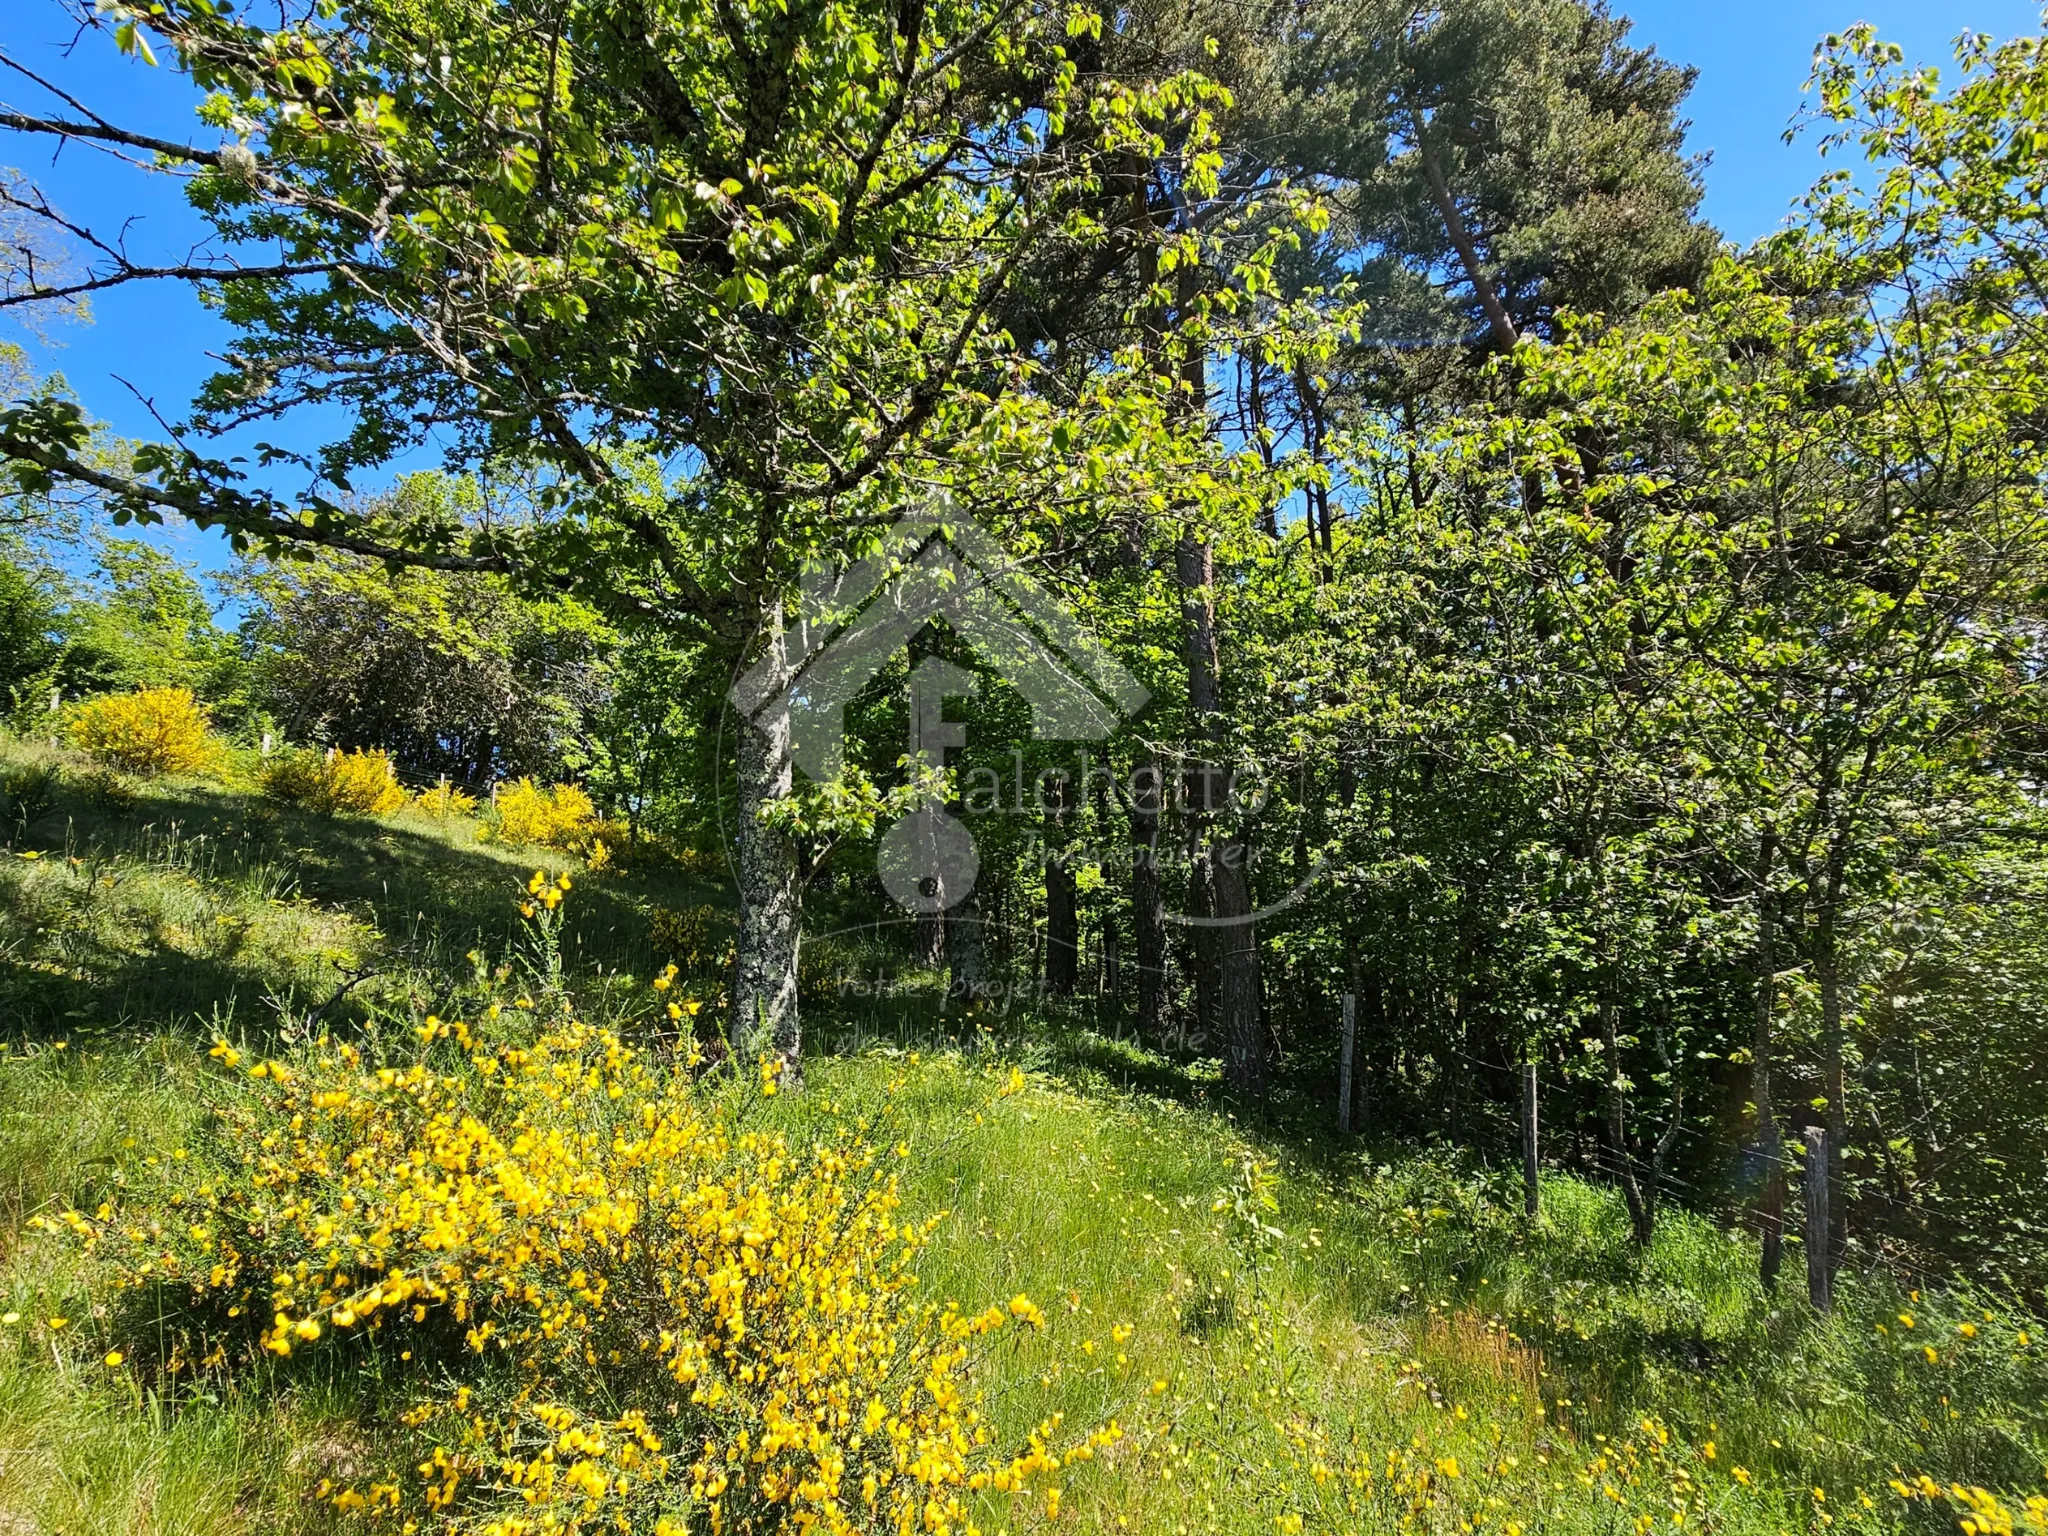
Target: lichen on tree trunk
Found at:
764, 1001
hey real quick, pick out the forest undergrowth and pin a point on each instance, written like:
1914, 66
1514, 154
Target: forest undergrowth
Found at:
1169, 1319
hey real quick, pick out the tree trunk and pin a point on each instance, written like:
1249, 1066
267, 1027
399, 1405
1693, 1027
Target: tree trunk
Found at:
1818, 1176
1237, 968
1229, 944
1347, 1049
1641, 1216
931, 938
1148, 910
1771, 1205
764, 1001
1660, 1157
966, 960
1319, 516
1827, 966
1062, 926
1501, 327
1201, 950
1532, 1188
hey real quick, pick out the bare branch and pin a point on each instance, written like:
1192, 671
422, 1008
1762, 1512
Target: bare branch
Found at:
107, 133
207, 274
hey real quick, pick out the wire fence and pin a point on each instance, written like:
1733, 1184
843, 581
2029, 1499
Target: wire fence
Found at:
1735, 1203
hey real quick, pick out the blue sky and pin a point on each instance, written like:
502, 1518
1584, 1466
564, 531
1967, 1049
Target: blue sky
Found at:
151, 342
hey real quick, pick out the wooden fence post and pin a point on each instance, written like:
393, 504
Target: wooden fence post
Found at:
1531, 1192
1344, 1057
1819, 1286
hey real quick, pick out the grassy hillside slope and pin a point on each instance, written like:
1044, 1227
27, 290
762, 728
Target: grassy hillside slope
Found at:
1290, 1333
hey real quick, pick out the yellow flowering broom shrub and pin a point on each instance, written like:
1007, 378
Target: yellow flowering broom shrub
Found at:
154, 730
361, 783
696, 938
562, 817
619, 1308
444, 801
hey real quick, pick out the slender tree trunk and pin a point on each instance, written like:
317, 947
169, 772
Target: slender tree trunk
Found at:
1313, 431
1148, 909
1818, 1177
764, 1001
1641, 1218
1230, 944
1237, 967
1062, 926
1532, 1188
1372, 1002
1201, 948
1827, 965
1771, 1205
1347, 1050
1660, 1156
1255, 399
1501, 327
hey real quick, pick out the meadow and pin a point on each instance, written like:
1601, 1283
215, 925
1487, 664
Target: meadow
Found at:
1243, 1325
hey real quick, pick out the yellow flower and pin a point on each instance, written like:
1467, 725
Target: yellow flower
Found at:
59, 1322
1740, 1474
113, 1357
396, 1198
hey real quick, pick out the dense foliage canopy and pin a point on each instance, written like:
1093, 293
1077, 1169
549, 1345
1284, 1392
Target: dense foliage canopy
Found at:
1621, 650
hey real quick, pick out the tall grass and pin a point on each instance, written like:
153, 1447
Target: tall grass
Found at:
1355, 1337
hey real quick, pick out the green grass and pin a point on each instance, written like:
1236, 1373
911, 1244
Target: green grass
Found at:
172, 904
1405, 1307
1386, 1346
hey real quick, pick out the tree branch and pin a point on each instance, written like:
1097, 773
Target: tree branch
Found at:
109, 134
203, 274
252, 516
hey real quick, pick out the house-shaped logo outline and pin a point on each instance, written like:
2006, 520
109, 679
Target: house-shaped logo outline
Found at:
935, 564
